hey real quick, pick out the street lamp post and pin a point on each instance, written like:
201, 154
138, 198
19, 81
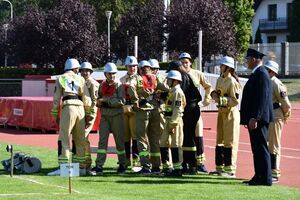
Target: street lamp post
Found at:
11, 9
5, 27
108, 15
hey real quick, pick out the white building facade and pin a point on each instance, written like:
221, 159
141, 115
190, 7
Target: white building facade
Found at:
271, 17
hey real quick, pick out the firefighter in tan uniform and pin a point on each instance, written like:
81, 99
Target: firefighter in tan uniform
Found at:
141, 91
160, 95
226, 96
111, 99
172, 136
129, 115
282, 112
198, 79
86, 70
75, 114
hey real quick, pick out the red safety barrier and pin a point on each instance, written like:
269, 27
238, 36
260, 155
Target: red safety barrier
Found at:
31, 112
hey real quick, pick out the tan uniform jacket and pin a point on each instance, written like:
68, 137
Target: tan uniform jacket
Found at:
137, 92
279, 95
125, 80
70, 84
175, 104
229, 90
199, 79
115, 102
93, 87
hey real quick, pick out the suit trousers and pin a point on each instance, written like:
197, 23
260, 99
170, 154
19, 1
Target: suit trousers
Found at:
261, 155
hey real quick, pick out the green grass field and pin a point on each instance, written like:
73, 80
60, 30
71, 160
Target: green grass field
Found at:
293, 89
129, 186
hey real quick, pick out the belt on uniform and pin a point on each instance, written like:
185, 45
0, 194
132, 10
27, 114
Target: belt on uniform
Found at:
276, 105
128, 102
71, 97
146, 100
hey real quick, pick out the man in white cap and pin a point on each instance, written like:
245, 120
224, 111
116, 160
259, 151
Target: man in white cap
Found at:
75, 114
226, 95
111, 99
141, 91
282, 112
86, 70
193, 132
129, 115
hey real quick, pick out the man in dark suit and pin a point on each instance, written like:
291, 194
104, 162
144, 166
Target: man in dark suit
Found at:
256, 114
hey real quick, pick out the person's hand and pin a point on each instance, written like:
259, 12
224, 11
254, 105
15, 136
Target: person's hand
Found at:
172, 131
135, 106
206, 102
252, 124
88, 120
57, 120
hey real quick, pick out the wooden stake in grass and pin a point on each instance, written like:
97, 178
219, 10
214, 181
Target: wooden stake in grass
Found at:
69, 170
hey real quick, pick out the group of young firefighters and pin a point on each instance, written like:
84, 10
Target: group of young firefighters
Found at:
155, 120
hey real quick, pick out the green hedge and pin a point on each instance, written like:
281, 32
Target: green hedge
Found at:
14, 72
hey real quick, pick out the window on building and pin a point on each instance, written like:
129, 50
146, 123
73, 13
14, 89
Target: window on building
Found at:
271, 39
272, 12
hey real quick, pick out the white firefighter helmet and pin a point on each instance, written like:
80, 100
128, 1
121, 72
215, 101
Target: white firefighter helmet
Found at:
228, 61
71, 63
110, 68
185, 55
86, 65
154, 63
131, 60
144, 63
174, 74
272, 65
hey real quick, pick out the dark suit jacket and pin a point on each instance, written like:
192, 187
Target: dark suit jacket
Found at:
257, 98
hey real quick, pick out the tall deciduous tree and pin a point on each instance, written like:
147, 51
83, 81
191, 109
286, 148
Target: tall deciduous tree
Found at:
187, 17
242, 12
67, 30
294, 22
145, 21
119, 7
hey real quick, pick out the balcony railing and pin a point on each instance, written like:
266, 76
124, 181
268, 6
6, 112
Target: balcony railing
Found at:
279, 24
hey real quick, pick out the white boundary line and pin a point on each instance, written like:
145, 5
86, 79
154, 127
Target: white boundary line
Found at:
246, 151
246, 143
43, 184
25, 194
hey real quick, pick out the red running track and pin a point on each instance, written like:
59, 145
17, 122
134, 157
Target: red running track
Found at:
290, 160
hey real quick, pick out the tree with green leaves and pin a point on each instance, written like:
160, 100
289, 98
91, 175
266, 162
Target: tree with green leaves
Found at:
294, 22
187, 17
145, 21
50, 37
242, 13
118, 8
19, 7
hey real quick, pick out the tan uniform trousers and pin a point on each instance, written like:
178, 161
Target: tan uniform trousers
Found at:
274, 138
114, 124
129, 126
172, 140
228, 132
88, 158
199, 128
72, 121
148, 135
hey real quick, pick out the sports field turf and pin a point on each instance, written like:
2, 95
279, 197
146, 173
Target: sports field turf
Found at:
129, 186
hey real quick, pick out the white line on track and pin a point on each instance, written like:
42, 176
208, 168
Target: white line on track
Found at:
27, 194
40, 183
246, 143
246, 151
